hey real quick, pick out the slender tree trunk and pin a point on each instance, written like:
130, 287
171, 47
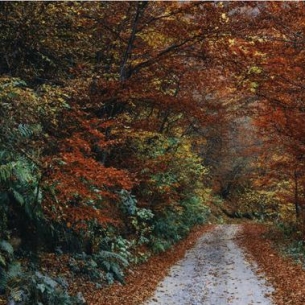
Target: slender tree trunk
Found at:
296, 196
124, 73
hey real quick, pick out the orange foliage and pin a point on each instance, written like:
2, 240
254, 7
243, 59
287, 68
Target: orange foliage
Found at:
83, 187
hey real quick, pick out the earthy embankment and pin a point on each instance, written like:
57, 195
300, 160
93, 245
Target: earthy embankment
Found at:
142, 281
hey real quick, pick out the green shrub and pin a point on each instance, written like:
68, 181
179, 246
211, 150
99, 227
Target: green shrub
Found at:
104, 266
175, 224
36, 288
28, 287
140, 220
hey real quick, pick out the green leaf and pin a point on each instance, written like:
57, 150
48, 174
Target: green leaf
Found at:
93, 264
111, 256
16, 295
2, 261
19, 198
25, 130
41, 287
6, 171
19, 83
6, 247
14, 270
3, 279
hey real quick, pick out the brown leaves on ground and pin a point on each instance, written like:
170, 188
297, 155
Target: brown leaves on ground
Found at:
287, 277
142, 280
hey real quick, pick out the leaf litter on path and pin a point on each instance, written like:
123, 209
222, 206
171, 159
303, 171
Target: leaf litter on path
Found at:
287, 277
142, 280
214, 272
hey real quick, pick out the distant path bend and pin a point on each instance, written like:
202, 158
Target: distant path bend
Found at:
214, 272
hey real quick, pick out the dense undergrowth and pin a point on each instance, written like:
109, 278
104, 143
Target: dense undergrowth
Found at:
94, 168
288, 240
35, 219
119, 133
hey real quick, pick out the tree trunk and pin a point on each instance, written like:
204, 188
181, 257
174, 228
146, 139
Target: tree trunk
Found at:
296, 196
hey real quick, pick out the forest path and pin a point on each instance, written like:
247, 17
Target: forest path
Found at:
214, 272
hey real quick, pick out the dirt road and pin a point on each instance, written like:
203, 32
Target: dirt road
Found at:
214, 272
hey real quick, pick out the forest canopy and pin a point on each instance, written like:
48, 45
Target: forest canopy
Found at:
125, 124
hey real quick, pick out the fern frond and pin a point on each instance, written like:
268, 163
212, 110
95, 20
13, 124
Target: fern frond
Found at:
2, 261
3, 279
17, 295
106, 266
19, 198
6, 171
9, 277
112, 256
14, 270
23, 171
25, 130
117, 273
19, 169
4, 154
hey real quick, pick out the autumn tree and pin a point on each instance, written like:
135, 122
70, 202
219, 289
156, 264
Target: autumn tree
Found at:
280, 117
97, 59
133, 112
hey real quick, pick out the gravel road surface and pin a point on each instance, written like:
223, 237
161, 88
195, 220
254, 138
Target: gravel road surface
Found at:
214, 272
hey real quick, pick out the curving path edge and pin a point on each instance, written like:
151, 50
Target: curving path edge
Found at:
214, 272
